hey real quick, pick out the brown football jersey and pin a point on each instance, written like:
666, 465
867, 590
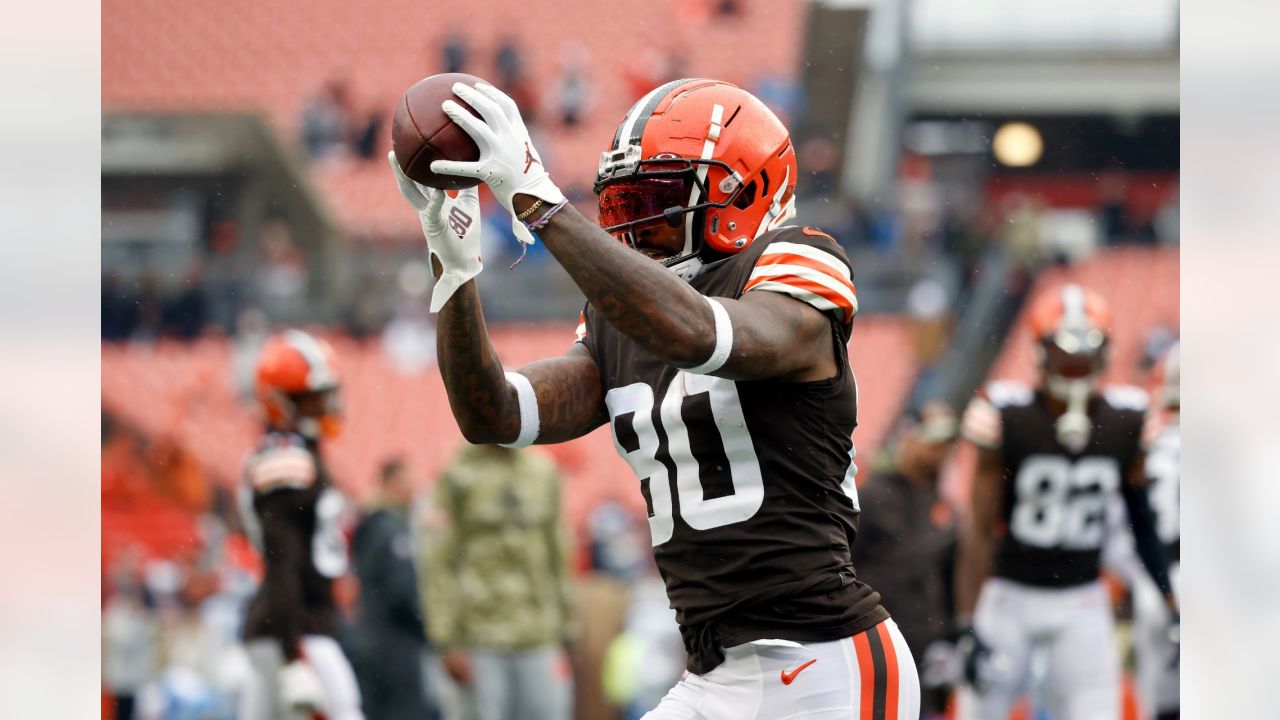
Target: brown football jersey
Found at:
1056, 500
294, 514
749, 485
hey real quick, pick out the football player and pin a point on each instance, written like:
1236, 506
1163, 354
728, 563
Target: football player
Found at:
1051, 458
714, 344
294, 514
1155, 651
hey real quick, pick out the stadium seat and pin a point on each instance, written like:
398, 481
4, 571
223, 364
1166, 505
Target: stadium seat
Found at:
155, 59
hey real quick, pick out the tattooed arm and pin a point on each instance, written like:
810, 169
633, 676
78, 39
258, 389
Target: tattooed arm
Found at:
570, 398
774, 336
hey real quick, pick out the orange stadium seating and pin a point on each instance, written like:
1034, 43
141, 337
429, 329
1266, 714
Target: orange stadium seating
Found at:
185, 391
1141, 284
270, 58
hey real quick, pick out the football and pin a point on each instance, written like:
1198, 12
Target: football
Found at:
421, 133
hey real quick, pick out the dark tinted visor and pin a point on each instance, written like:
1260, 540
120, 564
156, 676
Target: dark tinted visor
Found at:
1074, 354
630, 201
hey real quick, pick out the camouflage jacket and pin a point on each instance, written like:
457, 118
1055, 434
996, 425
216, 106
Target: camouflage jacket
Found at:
494, 570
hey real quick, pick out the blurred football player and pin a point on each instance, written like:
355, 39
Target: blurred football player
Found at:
714, 343
294, 513
1155, 650
1051, 458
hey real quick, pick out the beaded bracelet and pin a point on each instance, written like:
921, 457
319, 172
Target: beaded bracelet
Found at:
546, 218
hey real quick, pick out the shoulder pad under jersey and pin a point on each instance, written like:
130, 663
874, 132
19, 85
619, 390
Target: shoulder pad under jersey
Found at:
1126, 397
806, 264
1009, 393
282, 461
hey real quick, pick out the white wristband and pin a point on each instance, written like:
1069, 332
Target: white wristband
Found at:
528, 411
724, 341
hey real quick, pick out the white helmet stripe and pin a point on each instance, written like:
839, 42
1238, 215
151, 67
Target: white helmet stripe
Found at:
319, 375
708, 149
778, 214
1073, 314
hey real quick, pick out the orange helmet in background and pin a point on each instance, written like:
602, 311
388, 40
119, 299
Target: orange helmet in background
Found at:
297, 384
703, 148
1071, 327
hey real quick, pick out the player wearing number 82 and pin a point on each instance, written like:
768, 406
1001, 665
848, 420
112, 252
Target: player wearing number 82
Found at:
293, 513
1051, 460
714, 343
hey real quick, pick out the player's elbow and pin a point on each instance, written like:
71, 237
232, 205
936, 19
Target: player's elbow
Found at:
482, 434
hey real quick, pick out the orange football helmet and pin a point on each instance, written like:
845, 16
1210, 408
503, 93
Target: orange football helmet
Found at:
294, 367
705, 149
1071, 327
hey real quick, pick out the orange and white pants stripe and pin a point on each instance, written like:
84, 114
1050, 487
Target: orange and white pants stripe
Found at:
870, 676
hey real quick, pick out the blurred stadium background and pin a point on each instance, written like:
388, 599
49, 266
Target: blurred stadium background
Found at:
965, 154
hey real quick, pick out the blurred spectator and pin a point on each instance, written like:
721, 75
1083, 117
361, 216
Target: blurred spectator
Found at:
326, 120
728, 8
150, 302
820, 159
387, 641
930, 311
647, 658
119, 309
252, 330
1154, 346
455, 52
409, 340
496, 586
366, 311
906, 540
186, 311
573, 90
1119, 224
509, 63
783, 94
619, 546
643, 73
962, 240
178, 472
366, 135
129, 637
282, 277
1021, 234
1166, 220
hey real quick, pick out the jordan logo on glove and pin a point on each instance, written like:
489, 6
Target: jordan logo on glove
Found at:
459, 221
529, 159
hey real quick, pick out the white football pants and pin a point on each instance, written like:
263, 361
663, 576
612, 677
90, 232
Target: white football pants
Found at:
1072, 626
1154, 654
870, 676
260, 699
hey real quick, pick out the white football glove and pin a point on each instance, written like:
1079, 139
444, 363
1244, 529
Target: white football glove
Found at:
508, 162
452, 227
300, 688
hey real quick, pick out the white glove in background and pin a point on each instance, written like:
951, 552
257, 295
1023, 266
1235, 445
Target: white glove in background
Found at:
508, 162
452, 227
